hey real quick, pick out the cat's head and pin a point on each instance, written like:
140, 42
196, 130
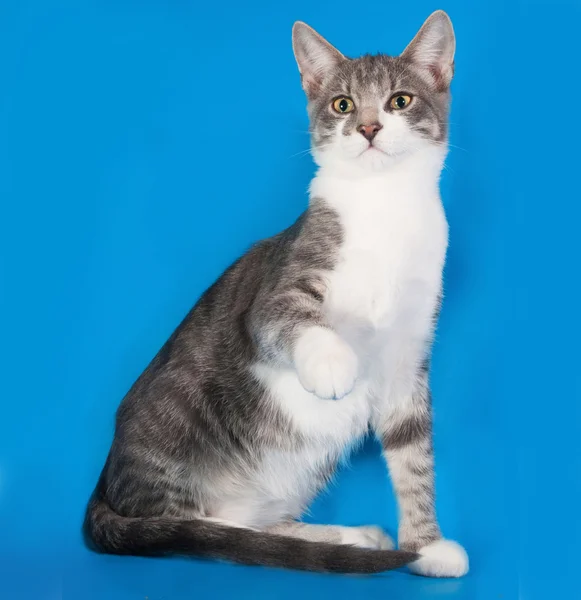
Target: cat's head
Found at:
369, 113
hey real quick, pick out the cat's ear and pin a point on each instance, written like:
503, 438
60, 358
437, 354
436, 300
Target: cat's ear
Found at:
315, 57
433, 49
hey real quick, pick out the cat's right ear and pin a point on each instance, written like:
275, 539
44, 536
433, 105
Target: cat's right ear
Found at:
315, 57
433, 49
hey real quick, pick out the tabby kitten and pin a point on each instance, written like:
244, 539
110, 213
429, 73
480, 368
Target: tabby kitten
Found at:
307, 340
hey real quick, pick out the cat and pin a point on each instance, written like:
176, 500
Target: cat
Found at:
308, 340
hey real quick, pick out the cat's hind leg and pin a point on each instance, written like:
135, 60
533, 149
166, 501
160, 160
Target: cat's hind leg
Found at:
362, 537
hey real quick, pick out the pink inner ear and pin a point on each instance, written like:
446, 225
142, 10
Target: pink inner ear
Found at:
310, 85
442, 76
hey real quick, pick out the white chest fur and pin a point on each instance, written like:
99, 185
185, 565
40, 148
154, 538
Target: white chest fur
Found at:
380, 299
389, 270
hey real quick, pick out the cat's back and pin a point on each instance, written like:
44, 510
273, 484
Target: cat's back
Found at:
208, 358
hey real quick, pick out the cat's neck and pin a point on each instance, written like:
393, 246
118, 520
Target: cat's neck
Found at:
406, 190
416, 172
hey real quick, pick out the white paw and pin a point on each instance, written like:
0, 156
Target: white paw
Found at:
442, 558
367, 537
326, 365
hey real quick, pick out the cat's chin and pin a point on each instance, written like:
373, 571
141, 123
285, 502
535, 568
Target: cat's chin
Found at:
374, 151
369, 164
375, 158
372, 160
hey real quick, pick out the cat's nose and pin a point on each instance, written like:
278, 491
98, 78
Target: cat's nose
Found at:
369, 131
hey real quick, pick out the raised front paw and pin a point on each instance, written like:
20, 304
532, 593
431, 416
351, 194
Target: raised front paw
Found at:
442, 558
325, 364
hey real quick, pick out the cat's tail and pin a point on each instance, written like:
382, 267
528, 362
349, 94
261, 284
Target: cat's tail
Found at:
108, 532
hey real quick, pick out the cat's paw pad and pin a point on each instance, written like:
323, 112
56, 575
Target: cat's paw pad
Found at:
367, 537
326, 365
442, 558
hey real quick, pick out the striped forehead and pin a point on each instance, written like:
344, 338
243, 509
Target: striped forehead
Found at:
370, 76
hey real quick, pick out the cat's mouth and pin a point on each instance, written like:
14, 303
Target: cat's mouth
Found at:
372, 148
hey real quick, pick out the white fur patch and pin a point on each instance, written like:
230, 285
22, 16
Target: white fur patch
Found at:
332, 425
285, 479
326, 365
383, 291
367, 537
226, 523
442, 558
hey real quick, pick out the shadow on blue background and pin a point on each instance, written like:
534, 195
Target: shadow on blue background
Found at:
145, 144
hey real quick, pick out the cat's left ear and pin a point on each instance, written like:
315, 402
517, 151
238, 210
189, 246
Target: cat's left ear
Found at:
433, 49
315, 57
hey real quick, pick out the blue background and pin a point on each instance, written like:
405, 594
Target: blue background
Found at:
145, 144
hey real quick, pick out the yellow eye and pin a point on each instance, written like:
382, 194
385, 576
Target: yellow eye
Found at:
400, 101
343, 105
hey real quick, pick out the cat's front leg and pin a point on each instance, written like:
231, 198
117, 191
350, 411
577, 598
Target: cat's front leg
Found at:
405, 429
291, 328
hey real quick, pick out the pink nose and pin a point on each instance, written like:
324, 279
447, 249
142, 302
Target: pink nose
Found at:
369, 131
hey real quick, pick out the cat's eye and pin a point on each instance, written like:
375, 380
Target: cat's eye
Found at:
400, 101
343, 105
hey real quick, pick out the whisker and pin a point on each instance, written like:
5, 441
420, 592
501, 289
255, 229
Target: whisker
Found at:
452, 146
448, 168
301, 153
310, 150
